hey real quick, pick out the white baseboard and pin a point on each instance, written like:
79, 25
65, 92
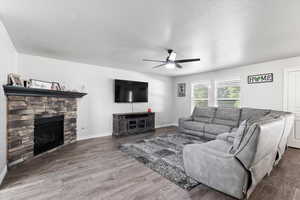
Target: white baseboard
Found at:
166, 125
93, 136
3, 174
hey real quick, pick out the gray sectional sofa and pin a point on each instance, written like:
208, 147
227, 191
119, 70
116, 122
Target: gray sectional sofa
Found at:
246, 144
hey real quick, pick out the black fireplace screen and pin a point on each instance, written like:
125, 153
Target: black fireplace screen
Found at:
48, 133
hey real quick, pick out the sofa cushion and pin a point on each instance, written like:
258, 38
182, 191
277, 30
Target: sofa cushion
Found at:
204, 114
227, 116
193, 132
218, 145
192, 125
211, 136
252, 113
216, 129
239, 135
228, 137
233, 130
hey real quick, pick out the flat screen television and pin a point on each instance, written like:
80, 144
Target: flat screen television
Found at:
130, 91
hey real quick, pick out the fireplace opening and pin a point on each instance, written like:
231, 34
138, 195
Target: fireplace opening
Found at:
48, 133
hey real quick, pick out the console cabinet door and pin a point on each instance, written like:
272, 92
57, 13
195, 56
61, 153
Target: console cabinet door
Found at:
132, 126
123, 126
150, 122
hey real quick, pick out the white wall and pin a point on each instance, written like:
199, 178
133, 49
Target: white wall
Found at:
96, 109
8, 57
264, 95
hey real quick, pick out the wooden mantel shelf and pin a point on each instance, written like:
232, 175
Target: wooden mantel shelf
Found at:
21, 91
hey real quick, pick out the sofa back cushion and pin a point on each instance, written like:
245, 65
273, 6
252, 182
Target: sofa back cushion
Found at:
262, 119
276, 113
252, 113
227, 116
203, 114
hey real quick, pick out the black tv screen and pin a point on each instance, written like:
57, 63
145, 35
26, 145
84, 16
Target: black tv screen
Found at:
131, 91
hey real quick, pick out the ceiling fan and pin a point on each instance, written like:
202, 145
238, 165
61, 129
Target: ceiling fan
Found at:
171, 62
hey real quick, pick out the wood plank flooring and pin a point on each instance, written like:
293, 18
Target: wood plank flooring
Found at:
96, 169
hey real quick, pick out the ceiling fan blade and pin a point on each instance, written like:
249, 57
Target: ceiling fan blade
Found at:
178, 66
159, 65
187, 60
159, 61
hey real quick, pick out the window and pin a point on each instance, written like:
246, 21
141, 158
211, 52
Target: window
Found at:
200, 94
228, 93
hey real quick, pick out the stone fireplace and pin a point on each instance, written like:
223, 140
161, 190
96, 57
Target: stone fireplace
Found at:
37, 124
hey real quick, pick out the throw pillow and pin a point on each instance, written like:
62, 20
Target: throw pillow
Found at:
238, 137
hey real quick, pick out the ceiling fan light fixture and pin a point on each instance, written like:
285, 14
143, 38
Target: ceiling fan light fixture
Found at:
170, 66
172, 56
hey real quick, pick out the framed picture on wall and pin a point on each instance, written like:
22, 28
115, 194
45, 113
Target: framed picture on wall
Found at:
181, 90
261, 78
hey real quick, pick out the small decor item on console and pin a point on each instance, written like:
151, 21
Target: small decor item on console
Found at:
40, 84
15, 80
149, 110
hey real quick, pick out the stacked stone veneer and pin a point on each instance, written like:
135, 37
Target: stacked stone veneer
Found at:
20, 123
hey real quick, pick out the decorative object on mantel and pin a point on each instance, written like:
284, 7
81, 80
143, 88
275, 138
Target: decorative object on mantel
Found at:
260, 78
15, 80
56, 86
26, 83
181, 90
82, 88
38, 84
63, 86
21, 91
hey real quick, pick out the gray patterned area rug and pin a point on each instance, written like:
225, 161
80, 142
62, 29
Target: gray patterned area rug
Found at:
163, 154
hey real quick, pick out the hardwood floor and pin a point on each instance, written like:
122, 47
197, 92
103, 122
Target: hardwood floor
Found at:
96, 169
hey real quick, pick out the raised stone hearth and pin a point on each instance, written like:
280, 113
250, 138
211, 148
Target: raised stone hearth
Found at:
22, 111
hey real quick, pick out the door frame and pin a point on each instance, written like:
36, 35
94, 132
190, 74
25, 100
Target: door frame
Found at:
292, 141
285, 85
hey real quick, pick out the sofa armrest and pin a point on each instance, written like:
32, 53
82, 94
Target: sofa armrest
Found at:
183, 119
216, 169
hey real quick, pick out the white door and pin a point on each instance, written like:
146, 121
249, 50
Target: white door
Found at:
292, 103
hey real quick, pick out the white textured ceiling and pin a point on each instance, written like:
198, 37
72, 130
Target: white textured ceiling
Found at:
120, 33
